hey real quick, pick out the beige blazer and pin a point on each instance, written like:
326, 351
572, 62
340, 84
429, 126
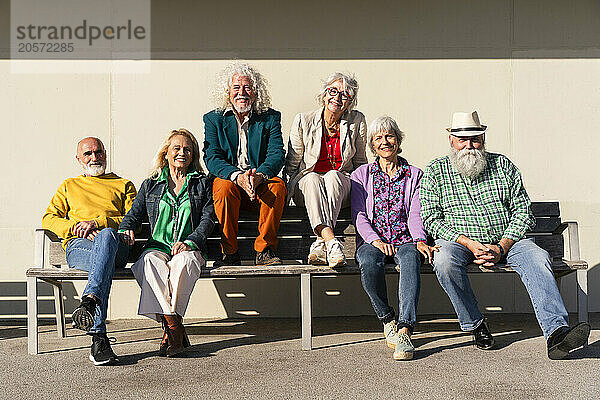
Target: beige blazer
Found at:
304, 145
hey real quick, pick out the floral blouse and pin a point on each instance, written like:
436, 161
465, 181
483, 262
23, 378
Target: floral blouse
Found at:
390, 220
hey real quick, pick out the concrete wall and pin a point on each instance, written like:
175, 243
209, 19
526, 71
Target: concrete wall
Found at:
531, 69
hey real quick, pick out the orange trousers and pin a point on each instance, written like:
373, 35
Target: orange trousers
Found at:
270, 200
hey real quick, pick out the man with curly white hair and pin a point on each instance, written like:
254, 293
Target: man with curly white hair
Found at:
475, 206
243, 149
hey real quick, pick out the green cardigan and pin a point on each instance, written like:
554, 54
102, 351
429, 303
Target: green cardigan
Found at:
221, 141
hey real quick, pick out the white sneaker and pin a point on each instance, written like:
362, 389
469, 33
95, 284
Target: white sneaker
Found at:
318, 253
390, 332
335, 253
404, 348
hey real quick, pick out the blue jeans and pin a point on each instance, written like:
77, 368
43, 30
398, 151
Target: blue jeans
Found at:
533, 265
371, 261
99, 258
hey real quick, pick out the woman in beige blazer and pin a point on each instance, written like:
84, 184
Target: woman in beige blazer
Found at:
325, 146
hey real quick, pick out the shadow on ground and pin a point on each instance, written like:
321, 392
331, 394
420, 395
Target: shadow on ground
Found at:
432, 335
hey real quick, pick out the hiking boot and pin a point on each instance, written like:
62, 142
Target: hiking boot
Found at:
101, 353
267, 257
565, 339
83, 316
229, 260
390, 332
404, 348
164, 343
335, 253
318, 253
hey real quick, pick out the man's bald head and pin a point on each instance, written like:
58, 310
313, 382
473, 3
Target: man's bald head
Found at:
91, 155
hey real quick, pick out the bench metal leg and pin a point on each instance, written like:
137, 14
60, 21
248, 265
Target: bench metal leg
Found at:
306, 311
32, 322
59, 309
582, 295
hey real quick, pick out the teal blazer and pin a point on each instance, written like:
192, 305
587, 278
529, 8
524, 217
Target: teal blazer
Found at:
221, 141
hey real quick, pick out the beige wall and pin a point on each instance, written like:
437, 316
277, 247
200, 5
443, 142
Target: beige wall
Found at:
532, 72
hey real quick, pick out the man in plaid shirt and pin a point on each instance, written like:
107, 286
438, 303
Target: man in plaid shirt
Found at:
475, 206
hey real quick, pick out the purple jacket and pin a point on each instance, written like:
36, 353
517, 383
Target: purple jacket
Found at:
363, 204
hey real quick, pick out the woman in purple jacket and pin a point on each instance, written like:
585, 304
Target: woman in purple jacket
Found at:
386, 214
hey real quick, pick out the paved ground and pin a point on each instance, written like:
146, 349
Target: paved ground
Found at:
236, 359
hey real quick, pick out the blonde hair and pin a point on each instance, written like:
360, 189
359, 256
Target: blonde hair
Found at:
259, 84
160, 160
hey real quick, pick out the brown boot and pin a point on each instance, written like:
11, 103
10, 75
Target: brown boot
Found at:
176, 334
164, 343
186, 340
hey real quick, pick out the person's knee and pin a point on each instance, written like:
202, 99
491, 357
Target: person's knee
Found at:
223, 189
311, 180
277, 185
109, 237
445, 261
410, 258
152, 259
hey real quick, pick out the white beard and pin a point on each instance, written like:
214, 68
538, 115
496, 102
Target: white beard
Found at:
470, 163
242, 110
95, 169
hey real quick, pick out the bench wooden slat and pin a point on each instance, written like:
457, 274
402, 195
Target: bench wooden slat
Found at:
283, 270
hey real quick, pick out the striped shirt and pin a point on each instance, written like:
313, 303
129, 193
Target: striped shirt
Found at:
490, 207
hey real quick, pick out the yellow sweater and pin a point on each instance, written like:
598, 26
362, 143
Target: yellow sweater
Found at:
104, 199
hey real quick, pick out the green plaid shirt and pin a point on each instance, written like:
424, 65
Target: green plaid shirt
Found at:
488, 208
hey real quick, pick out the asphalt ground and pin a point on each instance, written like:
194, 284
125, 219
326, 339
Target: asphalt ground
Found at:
261, 358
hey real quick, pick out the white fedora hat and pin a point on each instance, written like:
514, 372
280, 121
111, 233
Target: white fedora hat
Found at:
466, 124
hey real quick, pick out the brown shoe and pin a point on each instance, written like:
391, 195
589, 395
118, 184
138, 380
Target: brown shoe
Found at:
267, 257
176, 335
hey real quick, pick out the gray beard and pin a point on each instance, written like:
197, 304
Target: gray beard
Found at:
94, 169
468, 163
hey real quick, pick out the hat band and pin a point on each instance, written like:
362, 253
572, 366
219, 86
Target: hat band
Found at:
470, 128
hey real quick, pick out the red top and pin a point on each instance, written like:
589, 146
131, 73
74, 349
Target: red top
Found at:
331, 154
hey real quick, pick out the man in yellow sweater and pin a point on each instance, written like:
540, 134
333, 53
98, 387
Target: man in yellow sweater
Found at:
85, 212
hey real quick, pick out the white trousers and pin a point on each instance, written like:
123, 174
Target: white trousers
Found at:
324, 195
166, 282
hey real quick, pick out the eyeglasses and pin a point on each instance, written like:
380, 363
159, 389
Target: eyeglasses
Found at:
333, 92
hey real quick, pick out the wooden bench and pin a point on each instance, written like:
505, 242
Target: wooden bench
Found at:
295, 238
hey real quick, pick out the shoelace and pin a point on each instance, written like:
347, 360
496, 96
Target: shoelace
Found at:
393, 331
105, 341
403, 337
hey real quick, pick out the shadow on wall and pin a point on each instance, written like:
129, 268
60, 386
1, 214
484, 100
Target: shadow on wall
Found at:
426, 29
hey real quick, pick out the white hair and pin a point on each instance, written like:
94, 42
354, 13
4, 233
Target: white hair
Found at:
384, 124
349, 84
259, 84
470, 163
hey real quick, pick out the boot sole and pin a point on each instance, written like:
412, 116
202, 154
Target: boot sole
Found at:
403, 356
107, 362
314, 260
173, 353
574, 339
339, 264
268, 264
485, 347
82, 319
